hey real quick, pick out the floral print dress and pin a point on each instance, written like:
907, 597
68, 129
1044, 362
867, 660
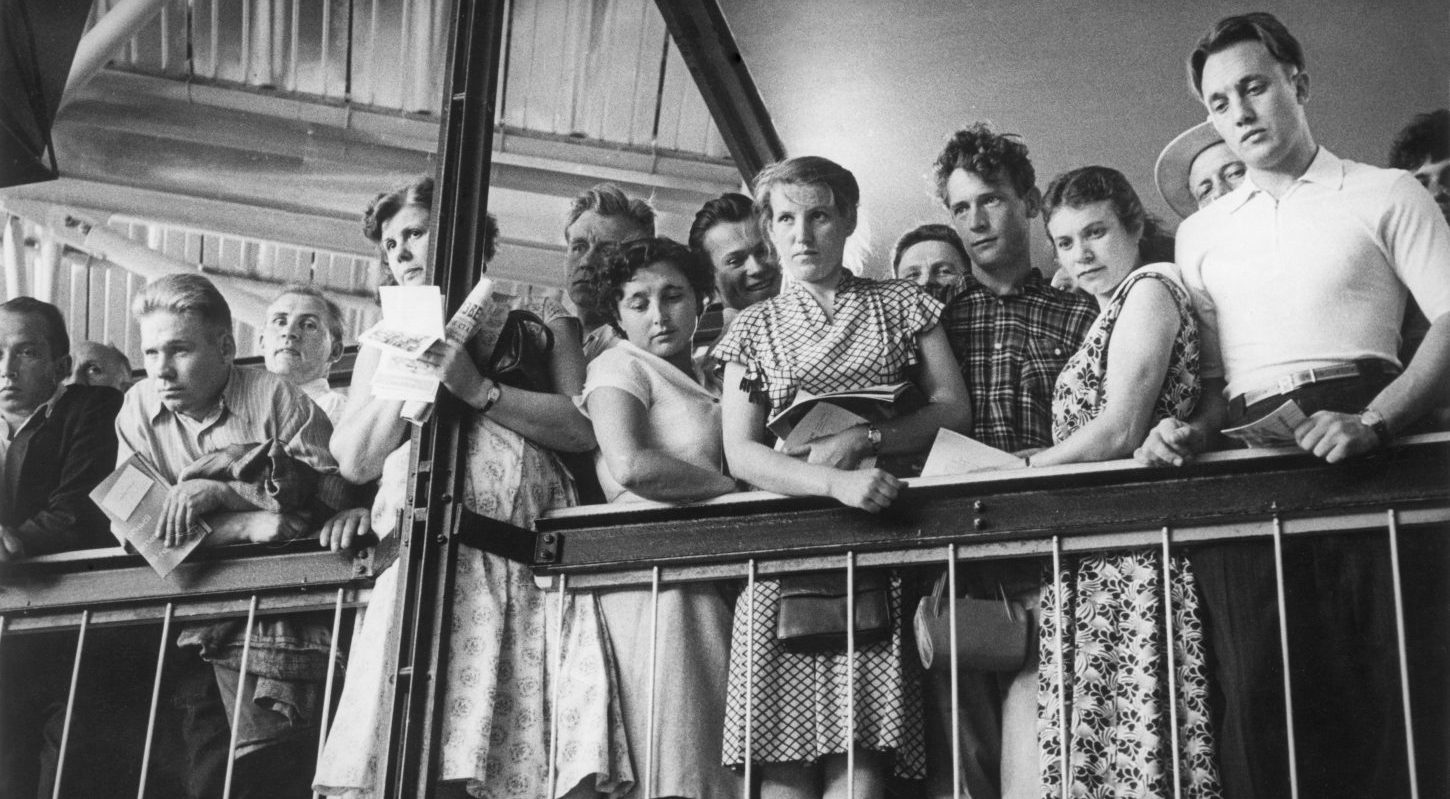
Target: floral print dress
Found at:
503, 649
1121, 737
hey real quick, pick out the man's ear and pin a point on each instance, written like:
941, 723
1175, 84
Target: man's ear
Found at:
228, 344
1033, 202
63, 366
1301, 86
336, 354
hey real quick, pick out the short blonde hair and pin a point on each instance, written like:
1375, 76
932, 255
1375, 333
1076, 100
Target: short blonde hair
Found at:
185, 293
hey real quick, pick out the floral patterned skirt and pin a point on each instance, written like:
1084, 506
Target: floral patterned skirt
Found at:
1117, 681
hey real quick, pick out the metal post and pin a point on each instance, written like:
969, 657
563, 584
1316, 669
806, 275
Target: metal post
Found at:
558, 681
155, 698
654, 631
1284, 653
956, 677
241, 694
1170, 645
326, 718
1064, 723
1394, 531
749, 677
851, 675
70, 704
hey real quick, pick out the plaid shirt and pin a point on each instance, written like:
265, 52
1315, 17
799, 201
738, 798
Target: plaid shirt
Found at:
1011, 349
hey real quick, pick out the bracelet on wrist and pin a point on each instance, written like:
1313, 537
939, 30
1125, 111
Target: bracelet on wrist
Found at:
873, 437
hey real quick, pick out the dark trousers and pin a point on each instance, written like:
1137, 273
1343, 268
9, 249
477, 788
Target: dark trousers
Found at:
107, 733
1344, 665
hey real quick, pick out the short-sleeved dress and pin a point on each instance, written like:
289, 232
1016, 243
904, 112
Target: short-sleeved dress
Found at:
499, 689
692, 622
1121, 739
787, 345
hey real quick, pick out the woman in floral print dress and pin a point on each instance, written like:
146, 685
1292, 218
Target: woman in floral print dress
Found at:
1112, 608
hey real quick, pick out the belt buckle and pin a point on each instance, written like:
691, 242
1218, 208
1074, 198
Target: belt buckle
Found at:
1292, 381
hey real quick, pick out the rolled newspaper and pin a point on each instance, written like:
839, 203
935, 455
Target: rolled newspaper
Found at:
482, 316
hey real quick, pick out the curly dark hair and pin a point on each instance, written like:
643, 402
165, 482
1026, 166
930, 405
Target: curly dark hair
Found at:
1091, 184
616, 266
996, 157
1426, 138
419, 193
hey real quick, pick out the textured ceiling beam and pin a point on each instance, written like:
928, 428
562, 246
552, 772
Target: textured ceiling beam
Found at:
698, 28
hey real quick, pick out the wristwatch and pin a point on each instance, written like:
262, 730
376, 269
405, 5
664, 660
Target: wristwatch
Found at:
1371, 418
494, 392
873, 437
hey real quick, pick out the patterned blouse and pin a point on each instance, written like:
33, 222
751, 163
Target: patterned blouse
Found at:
787, 345
1079, 395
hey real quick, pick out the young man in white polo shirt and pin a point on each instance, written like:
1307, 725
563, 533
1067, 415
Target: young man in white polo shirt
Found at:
1300, 277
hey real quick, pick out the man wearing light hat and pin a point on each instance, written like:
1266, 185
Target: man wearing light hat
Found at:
1196, 168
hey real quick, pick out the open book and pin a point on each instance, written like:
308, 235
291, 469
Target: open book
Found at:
954, 453
869, 404
132, 497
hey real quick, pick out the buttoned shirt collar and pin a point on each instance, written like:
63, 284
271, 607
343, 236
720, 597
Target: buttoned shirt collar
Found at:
1032, 283
1327, 170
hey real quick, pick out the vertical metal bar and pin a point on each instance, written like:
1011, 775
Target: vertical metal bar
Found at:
956, 677
241, 693
555, 688
373, 70
215, 37
14, 246
1170, 644
247, 34
165, 38
326, 717
1394, 531
749, 678
1284, 654
851, 675
296, 37
70, 703
155, 698
325, 51
1064, 723
649, 734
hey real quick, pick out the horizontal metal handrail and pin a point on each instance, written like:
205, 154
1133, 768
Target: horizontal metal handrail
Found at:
1002, 514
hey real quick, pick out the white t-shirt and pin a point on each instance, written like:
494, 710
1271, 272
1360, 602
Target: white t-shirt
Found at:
683, 416
331, 402
1317, 277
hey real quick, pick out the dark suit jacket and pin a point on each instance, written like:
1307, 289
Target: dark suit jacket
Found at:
52, 466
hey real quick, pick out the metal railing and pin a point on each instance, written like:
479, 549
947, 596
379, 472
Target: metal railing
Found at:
1051, 512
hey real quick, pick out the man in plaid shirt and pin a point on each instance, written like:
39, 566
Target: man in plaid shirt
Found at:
1012, 332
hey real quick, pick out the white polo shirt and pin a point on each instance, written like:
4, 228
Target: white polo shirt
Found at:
1316, 277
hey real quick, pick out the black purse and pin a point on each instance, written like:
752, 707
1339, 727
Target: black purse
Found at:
812, 617
520, 357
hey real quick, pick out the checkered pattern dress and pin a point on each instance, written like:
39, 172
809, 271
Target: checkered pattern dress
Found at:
786, 345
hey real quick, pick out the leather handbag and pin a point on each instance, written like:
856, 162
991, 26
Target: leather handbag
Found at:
992, 634
812, 617
520, 357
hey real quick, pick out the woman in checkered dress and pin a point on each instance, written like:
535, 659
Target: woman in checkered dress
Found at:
828, 330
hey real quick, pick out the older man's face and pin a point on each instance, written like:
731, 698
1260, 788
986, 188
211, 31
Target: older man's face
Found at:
189, 359
1214, 172
588, 238
30, 371
296, 342
99, 365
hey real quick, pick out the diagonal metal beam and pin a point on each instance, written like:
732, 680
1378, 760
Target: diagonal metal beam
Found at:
699, 30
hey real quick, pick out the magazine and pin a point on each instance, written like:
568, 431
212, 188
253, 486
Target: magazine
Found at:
133, 497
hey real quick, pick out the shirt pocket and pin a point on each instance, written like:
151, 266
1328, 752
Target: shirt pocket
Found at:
1043, 361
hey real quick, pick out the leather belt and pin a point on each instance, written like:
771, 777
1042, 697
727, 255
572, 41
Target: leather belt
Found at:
1308, 377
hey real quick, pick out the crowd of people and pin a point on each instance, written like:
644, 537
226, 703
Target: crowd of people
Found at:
1295, 275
